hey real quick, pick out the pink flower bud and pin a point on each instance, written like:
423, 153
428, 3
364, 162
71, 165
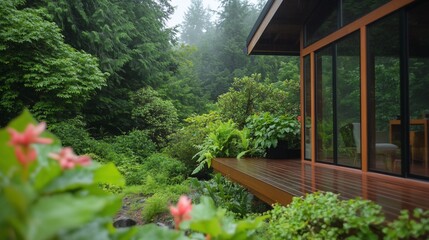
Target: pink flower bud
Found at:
22, 142
182, 211
68, 159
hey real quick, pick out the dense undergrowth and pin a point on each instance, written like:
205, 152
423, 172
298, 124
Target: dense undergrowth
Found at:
158, 174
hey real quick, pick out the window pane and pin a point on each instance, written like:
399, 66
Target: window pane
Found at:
353, 9
347, 93
323, 22
384, 95
418, 77
324, 78
307, 107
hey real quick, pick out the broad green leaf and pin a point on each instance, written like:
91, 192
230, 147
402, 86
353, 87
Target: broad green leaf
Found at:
7, 155
52, 214
109, 174
71, 179
20, 123
205, 218
152, 231
94, 230
45, 169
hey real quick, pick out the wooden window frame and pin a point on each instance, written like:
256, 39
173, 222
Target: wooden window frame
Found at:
358, 25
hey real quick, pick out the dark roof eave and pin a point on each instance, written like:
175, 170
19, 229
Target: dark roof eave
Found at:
258, 22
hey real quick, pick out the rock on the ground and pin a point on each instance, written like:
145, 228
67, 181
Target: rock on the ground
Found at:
124, 222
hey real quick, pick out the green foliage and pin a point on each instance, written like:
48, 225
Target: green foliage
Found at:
72, 133
248, 95
132, 43
225, 194
42, 201
158, 169
266, 130
38, 70
184, 89
164, 169
150, 112
103, 152
155, 205
325, 216
135, 143
182, 143
415, 226
205, 218
162, 195
196, 23
224, 141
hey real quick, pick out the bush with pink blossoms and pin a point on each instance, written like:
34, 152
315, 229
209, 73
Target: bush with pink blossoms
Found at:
48, 192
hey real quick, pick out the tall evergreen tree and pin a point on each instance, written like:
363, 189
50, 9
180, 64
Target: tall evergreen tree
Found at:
196, 23
38, 70
132, 43
223, 55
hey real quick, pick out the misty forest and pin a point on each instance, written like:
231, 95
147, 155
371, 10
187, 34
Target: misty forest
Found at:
151, 106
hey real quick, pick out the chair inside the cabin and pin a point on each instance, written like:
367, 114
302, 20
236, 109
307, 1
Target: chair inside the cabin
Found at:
350, 134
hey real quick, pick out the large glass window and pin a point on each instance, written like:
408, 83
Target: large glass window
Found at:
307, 108
324, 105
353, 9
418, 76
331, 15
348, 101
322, 22
384, 111
338, 102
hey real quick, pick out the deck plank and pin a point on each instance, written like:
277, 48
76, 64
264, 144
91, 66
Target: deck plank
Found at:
280, 180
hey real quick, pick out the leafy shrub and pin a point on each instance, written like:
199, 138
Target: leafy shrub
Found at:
155, 205
162, 195
127, 164
153, 114
164, 169
225, 194
182, 144
325, 216
56, 196
250, 95
72, 133
136, 142
216, 224
267, 129
415, 226
43, 198
224, 141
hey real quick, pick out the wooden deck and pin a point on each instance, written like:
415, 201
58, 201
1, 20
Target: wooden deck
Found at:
280, 180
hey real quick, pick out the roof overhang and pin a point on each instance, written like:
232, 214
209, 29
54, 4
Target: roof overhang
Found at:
278, 29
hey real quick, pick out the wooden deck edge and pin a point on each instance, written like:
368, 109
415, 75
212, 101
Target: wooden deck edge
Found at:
260, 189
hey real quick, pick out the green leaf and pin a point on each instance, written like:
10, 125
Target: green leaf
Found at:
205, 218
109, 174
52, 214
152, 231
71, 179
44, 169
7, 159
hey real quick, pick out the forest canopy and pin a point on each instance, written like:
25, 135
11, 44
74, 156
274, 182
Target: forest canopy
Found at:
97, 60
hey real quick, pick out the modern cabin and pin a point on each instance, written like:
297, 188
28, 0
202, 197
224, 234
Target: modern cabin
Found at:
364, 101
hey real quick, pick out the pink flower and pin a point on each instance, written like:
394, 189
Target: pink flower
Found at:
68, 159
25, 155
22, 142
29, 136
182, 211
299, 118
